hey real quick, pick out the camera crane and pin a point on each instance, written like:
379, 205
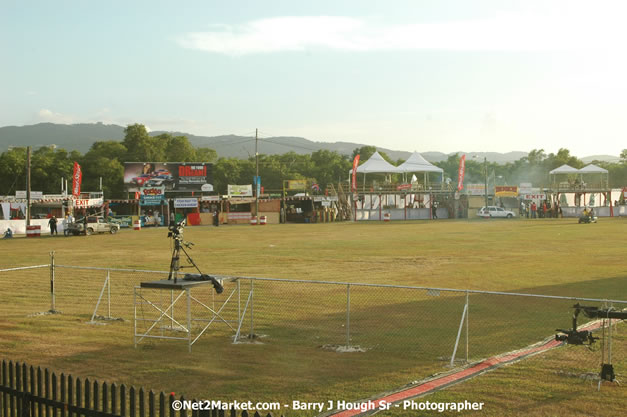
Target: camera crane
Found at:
584, 337
175, 231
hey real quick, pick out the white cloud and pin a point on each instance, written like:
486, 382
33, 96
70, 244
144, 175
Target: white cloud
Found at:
510, 31
46, 115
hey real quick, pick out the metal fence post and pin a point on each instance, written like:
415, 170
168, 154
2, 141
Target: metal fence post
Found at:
459, 332
467, 315
52, 297
252, 296
108, 294
348, 315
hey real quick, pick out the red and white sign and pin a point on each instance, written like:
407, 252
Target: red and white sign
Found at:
403, 187
533, 196
355, 163
77, 178
88, 202
460, 173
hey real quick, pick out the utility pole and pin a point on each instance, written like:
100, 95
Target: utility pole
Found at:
485, 167
27, 186
257, 184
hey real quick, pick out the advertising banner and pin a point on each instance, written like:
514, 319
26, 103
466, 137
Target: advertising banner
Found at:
296, 184
77, 178
191, 202
506, 191
461, 172
355, 164
210, 198
174, 176
151, 196
240, 190
475, 189
34, 195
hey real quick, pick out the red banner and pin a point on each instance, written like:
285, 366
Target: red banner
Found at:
355, 163
460, 174
77, 179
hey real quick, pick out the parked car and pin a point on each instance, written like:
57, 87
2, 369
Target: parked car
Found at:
495, 212
91, 225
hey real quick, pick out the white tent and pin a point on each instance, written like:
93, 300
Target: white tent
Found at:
416, 163
592, 169
564, 169
376, 163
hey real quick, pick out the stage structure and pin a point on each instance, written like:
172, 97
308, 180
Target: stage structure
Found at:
187, 309
584, 185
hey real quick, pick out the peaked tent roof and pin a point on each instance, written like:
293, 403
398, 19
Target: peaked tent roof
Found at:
416, 163
565, 169
376, 163
592, 169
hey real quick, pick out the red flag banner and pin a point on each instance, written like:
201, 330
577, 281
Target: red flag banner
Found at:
355, 163
77, 179
460, 174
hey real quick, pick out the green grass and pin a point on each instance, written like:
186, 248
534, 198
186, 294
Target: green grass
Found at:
408, 334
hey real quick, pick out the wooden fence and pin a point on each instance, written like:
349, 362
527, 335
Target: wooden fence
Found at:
29, 392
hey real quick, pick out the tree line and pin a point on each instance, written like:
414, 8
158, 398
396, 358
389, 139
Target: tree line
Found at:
105, 159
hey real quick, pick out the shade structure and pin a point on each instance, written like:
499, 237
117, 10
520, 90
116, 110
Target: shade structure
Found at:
376, 164
592, 169
564, 169
416, 163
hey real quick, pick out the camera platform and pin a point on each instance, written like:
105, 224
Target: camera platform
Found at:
188, 308
169, 284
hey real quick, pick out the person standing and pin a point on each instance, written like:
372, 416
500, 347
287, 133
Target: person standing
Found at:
534, 209
53, 225
434, 210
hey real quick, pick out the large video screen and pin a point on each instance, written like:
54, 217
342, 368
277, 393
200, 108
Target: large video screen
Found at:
174, 176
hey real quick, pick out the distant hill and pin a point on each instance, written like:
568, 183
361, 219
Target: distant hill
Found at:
604, 158
81, 136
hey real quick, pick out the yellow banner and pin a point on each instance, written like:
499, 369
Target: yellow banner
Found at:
296, 184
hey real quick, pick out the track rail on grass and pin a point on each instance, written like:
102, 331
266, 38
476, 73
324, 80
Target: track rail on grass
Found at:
431, 385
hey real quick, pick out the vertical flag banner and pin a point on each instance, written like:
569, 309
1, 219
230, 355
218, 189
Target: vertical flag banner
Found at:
460, 174
355, 163
77, 178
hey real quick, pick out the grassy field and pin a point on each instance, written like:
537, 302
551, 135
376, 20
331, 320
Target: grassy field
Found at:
408, 334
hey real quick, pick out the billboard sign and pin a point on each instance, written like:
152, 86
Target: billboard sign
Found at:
475, 189
296, 184
240, 190
506, 191
174, 176
185, 202
34, 195
151, 196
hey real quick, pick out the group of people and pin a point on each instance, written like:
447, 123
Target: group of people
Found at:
52, 224
531, 210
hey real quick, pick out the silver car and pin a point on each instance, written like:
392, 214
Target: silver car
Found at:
495, 212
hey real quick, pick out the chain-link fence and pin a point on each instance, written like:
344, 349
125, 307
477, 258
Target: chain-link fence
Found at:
430, 326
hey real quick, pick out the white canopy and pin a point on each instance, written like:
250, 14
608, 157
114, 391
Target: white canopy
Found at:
592, 169
376, 163
564, 169
416, 163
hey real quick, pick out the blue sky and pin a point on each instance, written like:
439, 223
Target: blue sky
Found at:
409, 75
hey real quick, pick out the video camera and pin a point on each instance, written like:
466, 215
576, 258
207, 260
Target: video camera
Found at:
175, 230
